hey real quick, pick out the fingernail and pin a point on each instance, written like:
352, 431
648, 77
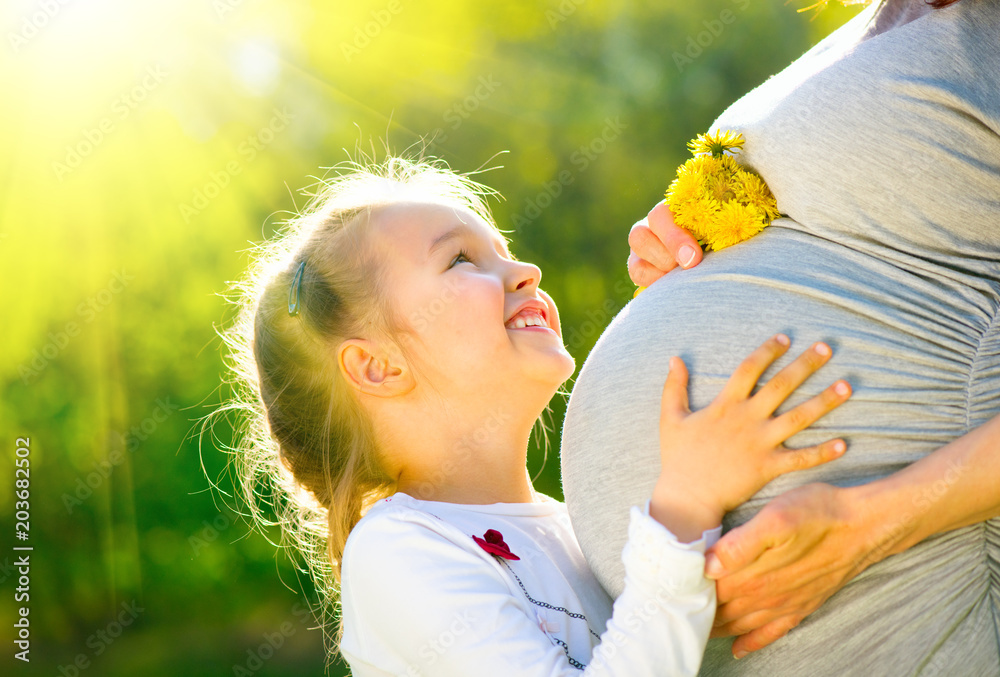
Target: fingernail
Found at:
823, 349
686, 255
713, 567
839, 447
782, 339
841, 389
739, 653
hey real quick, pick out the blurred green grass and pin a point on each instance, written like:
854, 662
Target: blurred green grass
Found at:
146, 145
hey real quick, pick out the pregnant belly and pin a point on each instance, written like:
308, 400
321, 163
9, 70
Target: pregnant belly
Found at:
922, 353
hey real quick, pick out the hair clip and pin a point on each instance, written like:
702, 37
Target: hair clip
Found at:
296, 289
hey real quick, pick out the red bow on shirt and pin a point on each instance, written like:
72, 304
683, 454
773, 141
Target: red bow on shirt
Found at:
492, 542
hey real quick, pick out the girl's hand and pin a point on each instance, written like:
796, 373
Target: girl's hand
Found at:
658, 245
716, 458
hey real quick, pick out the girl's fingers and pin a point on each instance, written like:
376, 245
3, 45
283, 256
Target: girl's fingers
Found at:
674, 403
741, 383
791, 460
807, 413
784, 383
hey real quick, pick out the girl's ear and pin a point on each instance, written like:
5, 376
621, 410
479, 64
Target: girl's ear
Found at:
372, 371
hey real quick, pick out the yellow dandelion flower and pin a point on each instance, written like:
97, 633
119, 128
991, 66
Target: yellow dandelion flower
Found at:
767, 206
716, 199
751, 189
729, 165
691, 166
734, 223
747, 186
696, 215
687, 186
716, 144
706, 165
720, 188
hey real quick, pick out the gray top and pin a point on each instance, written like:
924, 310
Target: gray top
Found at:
883, 149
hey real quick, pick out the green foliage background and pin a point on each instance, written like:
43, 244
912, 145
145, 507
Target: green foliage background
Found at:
542, 80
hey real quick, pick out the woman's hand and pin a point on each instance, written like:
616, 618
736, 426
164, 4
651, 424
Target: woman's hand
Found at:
716, 458
806, 544
658, 245
779, 567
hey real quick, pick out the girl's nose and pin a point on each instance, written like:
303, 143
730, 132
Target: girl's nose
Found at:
524, 274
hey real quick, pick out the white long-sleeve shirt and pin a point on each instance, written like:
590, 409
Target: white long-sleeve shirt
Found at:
421, 597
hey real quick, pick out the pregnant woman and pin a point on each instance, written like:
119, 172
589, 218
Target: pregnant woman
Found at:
882, 146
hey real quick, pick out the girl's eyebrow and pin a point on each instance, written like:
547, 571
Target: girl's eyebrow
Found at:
461, 230
456, 232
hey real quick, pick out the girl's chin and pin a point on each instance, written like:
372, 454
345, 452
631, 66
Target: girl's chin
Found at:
562, 367
570, 367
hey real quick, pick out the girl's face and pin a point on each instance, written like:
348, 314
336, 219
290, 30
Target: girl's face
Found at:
479, 323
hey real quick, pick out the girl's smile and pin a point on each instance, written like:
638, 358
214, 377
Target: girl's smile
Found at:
529, 316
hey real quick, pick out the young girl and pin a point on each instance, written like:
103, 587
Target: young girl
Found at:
395, 357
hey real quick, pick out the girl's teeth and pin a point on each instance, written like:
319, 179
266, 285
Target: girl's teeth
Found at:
529, 321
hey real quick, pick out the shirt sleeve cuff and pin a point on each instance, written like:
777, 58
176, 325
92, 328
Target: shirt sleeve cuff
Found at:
709, 537
654, 554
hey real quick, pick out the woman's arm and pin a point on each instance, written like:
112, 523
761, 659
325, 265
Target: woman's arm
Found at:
808, 543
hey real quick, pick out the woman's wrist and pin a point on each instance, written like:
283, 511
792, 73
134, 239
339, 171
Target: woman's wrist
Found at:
953, 487
885, 517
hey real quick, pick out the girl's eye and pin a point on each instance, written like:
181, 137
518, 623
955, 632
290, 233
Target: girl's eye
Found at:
462, 256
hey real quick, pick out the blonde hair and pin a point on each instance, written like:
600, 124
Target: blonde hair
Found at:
306, 456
